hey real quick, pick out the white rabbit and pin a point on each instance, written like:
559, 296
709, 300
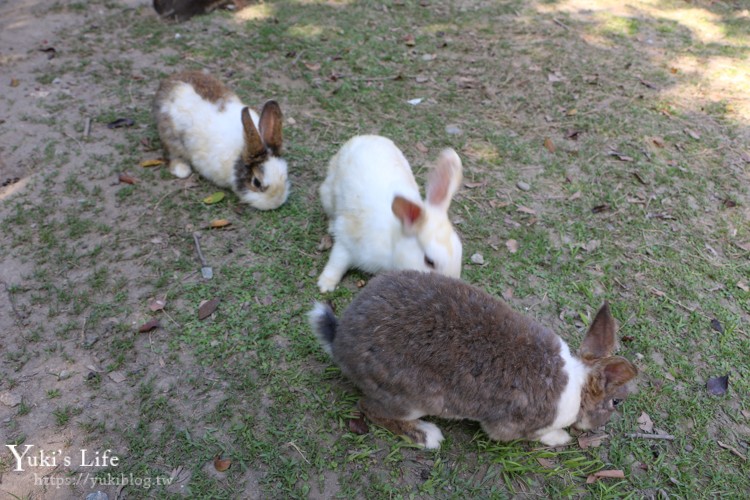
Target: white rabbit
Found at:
377, 217
204, 124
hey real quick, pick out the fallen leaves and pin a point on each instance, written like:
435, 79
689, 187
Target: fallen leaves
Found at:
621, 156
219, 223
692, 133
151, 163
525, 210
207, 308
326, 242
645, 423
614, 474
358, 425
121, 122
214, 198
127, 179
15, 82
222, 464
512, 245
549, 145
593, 441
149, 325
716, 325
117, 377
717, 386
597, 209
158, 305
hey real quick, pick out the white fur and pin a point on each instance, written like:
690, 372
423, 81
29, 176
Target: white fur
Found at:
318, 311
570, 400
212, 137
433, 435
357, 194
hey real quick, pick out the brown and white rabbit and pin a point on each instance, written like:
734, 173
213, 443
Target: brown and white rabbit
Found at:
419, 344
204, 124
377, 217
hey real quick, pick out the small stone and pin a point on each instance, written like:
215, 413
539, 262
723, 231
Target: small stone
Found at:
99, 495
689, 448
523, 186
9, 399
117, 377
453, 130
478, 259
64, 375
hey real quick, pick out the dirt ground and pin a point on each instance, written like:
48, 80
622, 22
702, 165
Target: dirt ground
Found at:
29, 30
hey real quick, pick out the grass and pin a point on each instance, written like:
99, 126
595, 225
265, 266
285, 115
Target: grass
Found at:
251, 383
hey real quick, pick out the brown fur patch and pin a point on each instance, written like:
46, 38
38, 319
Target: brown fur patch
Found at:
206, 86
424, 343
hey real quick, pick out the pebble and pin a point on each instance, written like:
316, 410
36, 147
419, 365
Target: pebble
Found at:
477, 258
453, 130
689, 447
99, 495
523, 186
9, 399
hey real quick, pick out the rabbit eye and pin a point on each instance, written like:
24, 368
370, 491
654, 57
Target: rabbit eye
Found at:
616, 402
429, 262
256, 182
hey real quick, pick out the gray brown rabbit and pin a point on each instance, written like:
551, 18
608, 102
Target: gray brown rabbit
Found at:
419, 344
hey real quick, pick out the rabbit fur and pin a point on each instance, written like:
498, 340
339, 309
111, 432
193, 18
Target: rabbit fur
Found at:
204, 124
419, 344
377, 217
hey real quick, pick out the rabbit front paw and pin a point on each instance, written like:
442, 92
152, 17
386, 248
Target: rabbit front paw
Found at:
432, 434
179, 169
556, 437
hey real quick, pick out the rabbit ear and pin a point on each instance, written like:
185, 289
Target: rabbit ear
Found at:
270, 126
617, 371
408, 212
254, 147
600, 340
444, 179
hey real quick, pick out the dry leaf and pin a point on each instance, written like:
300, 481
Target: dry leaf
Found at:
117, 377
594, 441
14, 82
572, 112
549, 145
617, 474
658, 142
600, 208
526, 210
421, 147
127, 179
574, 196
360, 283
312, 66
358, 425
717, 386
745, 245
152, 163
692, 133
409, 40
218, 223
207, 308
498, 204
149, 325
746, 413
591, 245
508, 293
214, 198
546, 462
716, 325
658, 293
512, 246
422, 79
743, 286
621, 157
222, 464
157, 305
473, 185
645, 423
120, 122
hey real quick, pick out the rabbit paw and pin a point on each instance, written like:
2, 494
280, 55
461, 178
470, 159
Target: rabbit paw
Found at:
432, 434
556, 437
326, 284
179, 168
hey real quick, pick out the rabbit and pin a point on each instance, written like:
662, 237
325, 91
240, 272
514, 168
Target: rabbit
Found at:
419, 344
202, 123
377, 217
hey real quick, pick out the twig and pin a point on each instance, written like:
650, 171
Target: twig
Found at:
87, 128
560, 23
643, 435
291, 443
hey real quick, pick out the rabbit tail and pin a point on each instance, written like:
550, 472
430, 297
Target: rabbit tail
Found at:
324, 323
